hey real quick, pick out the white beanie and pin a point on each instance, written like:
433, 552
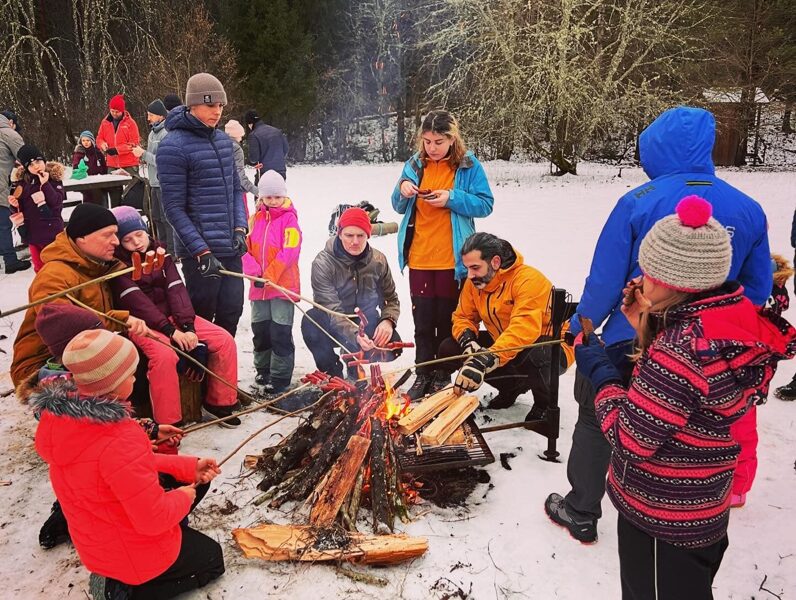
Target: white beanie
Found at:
271, 184
234, 130
689, 251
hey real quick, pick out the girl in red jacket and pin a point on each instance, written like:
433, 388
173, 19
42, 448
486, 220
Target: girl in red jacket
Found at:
128, 531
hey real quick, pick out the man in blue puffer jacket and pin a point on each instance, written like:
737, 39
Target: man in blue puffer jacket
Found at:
202, 199
676, 153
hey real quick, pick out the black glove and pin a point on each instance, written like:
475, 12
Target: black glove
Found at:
239, 242
209, 266
259, 284
469, 342
471, 375
190, 369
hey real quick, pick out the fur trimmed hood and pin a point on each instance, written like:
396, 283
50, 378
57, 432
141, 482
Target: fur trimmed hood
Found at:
60, 397
55, 169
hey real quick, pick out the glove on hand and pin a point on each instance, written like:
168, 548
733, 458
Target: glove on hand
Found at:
239, 243
209, 266
469, 342
191, 370
593, 363
259, 284
471, 375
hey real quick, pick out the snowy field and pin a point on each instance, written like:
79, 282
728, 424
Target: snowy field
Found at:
501, 545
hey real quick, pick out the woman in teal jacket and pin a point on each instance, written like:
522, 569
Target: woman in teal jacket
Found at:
442, 189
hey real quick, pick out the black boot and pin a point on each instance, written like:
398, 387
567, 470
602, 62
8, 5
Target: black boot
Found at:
55, 530
787, 392
504, 399
420, 386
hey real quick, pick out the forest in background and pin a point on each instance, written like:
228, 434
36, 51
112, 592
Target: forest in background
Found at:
559, 80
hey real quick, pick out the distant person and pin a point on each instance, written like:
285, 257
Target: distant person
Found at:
87, 152
10, 143
171, 101
268, 146
235, 130
117, 136
13, 120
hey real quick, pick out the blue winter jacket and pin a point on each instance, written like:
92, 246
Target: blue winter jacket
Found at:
676, 153
470, 197
268, 146
200, 186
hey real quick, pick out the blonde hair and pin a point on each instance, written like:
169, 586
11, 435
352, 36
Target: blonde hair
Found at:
652, 323
444, 123
784, 270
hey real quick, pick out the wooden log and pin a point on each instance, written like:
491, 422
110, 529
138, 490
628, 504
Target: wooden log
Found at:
379, 500
445, 424
425, 411
310, 544
341, 480
190, 400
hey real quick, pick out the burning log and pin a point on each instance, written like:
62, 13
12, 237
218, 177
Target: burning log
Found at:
340, 482
380, 504
304, 543
450, 419
426, 410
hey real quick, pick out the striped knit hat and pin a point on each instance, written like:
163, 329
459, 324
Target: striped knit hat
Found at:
689, 251
100, 361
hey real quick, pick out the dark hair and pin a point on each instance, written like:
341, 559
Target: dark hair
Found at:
489, 245
444, 123
251, 117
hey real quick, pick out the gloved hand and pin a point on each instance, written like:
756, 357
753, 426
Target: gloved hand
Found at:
259, 284
471, 375
209, 265
469, 342
239, 242
593, 363
191, 370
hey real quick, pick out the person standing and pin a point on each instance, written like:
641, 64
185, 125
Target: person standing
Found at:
87, 152
676, 153
268, 146
235, 130
10, 143
442, 189
117, 136
201, 196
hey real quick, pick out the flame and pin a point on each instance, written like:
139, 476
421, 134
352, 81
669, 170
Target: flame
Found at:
391, 408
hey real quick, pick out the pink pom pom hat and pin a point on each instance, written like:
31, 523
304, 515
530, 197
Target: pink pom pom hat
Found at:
688, 251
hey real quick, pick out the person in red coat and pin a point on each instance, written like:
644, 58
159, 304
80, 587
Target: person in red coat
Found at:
128, 531
118, 135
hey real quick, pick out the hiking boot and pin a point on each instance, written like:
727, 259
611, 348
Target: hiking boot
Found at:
786, 392
262, 378
277, 386
20, 265
419, 387
55, 530
584, 532
439, 381
210, 413
504, 399
537, 413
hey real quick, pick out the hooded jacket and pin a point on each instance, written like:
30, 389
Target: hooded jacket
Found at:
342, 283
123, 524
156, 135
514, 307
676, 153
268, 146
10, 143
64, 266
673, 456
274, 245
44, 222
199, 184
240, 165
94, 158
120, 141
470, 197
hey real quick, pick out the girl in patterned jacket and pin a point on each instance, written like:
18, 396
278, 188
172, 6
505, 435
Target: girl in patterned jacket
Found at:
705, 356
274, 245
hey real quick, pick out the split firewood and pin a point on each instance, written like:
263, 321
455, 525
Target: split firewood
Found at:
426, 410
340, 482
352, 508
305, 543
380, 504
450, 419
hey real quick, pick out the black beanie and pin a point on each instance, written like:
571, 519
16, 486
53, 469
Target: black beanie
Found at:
88, 218
28, 153
251, 117
157, 107
171, 101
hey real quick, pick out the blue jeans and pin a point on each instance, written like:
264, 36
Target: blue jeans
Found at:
6, 241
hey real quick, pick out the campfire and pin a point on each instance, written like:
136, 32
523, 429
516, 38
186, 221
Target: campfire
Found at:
358, 454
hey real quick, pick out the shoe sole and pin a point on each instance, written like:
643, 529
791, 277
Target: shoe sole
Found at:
569, 531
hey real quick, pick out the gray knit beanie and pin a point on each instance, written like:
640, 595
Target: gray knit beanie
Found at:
203, 88
689, 251
271, 184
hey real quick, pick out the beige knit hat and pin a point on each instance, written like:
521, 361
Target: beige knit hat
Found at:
204, 88
100, 360
689, 251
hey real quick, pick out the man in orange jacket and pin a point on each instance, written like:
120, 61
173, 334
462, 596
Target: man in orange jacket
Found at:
512, 300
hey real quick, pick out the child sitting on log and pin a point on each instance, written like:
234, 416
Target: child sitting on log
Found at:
161, 300
128, 531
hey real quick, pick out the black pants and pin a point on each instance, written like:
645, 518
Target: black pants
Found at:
655, 570
529, 370
323, 349
217, 299
434, 295
588, 461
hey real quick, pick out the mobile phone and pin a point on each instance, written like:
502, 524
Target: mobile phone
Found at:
423, 192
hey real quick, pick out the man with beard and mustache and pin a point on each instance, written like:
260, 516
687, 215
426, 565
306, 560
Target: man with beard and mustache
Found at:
512, 300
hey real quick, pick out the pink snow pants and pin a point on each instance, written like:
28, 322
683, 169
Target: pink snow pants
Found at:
164, 384
744, 431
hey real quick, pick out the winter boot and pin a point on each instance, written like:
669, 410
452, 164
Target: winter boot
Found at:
262, 378
102, 588
536, 413
787, 392
419, 387
583, 531
439, 381
20, 265
210, 413
55, 530
505, 399
277, 386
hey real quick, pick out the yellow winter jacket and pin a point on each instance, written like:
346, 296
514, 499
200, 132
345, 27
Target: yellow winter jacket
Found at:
514, 307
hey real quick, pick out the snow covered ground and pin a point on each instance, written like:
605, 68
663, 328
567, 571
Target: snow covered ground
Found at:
501, 545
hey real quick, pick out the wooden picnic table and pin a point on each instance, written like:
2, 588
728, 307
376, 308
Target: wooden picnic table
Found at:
111, 186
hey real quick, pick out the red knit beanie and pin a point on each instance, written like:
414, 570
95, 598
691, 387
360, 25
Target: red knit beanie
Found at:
117, 103
58, 323
100, 361
354, 217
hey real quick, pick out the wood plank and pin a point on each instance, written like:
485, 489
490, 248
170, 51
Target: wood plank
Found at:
305, 543
450, 419
339, 483
425, 411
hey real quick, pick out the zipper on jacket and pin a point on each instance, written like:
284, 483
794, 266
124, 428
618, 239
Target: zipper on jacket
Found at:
231, 205
265, 239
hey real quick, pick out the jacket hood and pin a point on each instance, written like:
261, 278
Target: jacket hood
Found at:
679, 141
60, 397
181, 118
55, 169
159, 125
4, 122
504, 273
279, 211
64, 250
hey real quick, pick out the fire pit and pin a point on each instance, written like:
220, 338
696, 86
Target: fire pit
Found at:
465, 448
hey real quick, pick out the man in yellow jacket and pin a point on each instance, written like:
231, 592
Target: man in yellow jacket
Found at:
512, 300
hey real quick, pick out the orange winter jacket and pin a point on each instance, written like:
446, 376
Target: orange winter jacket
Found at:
514, 307
64, 266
